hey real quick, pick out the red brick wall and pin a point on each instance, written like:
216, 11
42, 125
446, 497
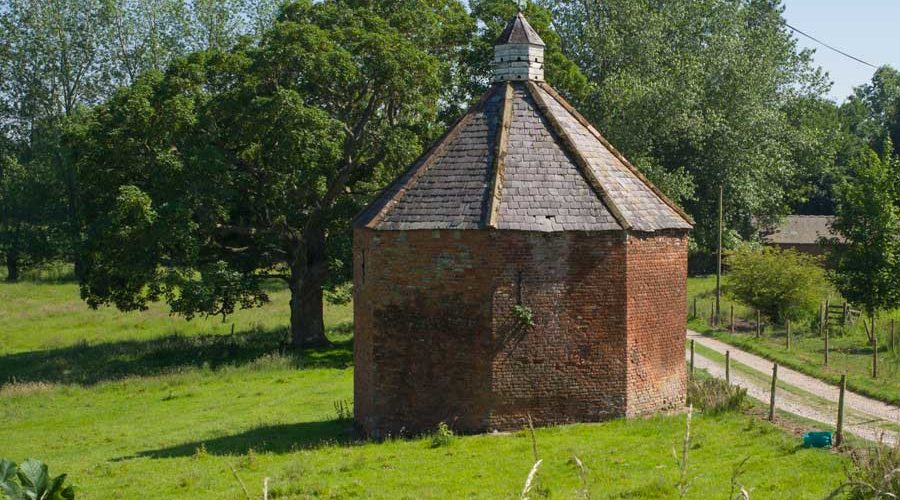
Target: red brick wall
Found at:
423, 322
436, 338
657, 314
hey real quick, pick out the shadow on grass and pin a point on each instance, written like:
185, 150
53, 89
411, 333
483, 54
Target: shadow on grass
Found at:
281, 438
89, 364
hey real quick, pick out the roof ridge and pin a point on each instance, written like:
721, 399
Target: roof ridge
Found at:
500, 157
596, 133
580, 161
383, 202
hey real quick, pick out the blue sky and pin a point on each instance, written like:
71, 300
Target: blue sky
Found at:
867, 29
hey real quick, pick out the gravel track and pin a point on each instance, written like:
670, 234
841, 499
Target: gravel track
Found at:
865, 417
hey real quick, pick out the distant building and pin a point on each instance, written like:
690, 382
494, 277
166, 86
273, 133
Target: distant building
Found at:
800, 232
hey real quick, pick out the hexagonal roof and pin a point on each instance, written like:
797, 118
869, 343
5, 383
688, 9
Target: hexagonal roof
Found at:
522, 159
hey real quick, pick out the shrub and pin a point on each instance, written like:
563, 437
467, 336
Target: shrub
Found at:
442, 436
875, 473
715, 396
782, 284
34, 481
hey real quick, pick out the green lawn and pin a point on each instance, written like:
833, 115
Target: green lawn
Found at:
130, 410
849, 353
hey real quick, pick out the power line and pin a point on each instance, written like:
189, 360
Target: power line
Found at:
839, 51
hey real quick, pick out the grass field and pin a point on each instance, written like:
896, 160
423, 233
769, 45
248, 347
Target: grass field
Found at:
849, 353
143, 405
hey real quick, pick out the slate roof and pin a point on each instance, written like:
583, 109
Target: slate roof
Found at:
523, 159
799, 230
519, 31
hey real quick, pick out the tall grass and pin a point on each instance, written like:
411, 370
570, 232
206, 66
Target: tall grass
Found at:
875, 473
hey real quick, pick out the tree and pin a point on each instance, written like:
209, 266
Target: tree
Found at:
238, 166
52, 64
865, 255
697, 95
872, 113
782, 284
57, 59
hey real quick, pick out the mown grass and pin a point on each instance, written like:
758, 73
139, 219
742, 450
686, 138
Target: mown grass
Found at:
849, 353
130, 411
48, 314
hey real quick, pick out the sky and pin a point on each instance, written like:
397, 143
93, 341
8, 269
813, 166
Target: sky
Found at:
867, 29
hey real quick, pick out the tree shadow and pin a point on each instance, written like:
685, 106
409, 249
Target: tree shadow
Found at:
282, 438
88, 364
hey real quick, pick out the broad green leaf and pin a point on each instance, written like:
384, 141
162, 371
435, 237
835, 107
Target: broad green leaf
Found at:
34, 477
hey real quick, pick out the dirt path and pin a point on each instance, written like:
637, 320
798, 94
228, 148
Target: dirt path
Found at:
813, 399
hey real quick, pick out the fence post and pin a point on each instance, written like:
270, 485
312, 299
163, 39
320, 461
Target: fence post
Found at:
695, 308
839, 435
692, 358
772, 395
728, 367
712, 314
826, 347
732, 318
758, 324
821, 318
788, 327
874, 351
893, 345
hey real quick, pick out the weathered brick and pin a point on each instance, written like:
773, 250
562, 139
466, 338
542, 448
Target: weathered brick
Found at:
436, 341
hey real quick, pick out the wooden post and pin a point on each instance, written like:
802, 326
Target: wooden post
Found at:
821, 318
844, 315
712, 314
874, 350
695, 307
826, 347
728, 367
692, 357
839, 435
772, 395
788, 332
758, 324
719, 255
732, 318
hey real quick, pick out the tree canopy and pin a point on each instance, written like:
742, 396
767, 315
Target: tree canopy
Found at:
697, 94
241, 165
866, 257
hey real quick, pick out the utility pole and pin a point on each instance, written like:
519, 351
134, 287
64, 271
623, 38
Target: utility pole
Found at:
719, 256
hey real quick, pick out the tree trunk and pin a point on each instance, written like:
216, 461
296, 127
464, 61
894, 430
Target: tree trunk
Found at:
307, 276
307, 323
12, 266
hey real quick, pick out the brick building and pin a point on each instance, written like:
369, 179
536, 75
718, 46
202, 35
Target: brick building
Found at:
522, 207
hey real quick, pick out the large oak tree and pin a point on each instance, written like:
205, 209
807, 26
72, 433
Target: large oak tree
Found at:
243, 165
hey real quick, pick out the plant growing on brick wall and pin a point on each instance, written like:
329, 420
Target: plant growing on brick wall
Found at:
782, 284
524, 315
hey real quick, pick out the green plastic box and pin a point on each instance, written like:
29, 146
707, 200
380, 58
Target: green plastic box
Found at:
817, 440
